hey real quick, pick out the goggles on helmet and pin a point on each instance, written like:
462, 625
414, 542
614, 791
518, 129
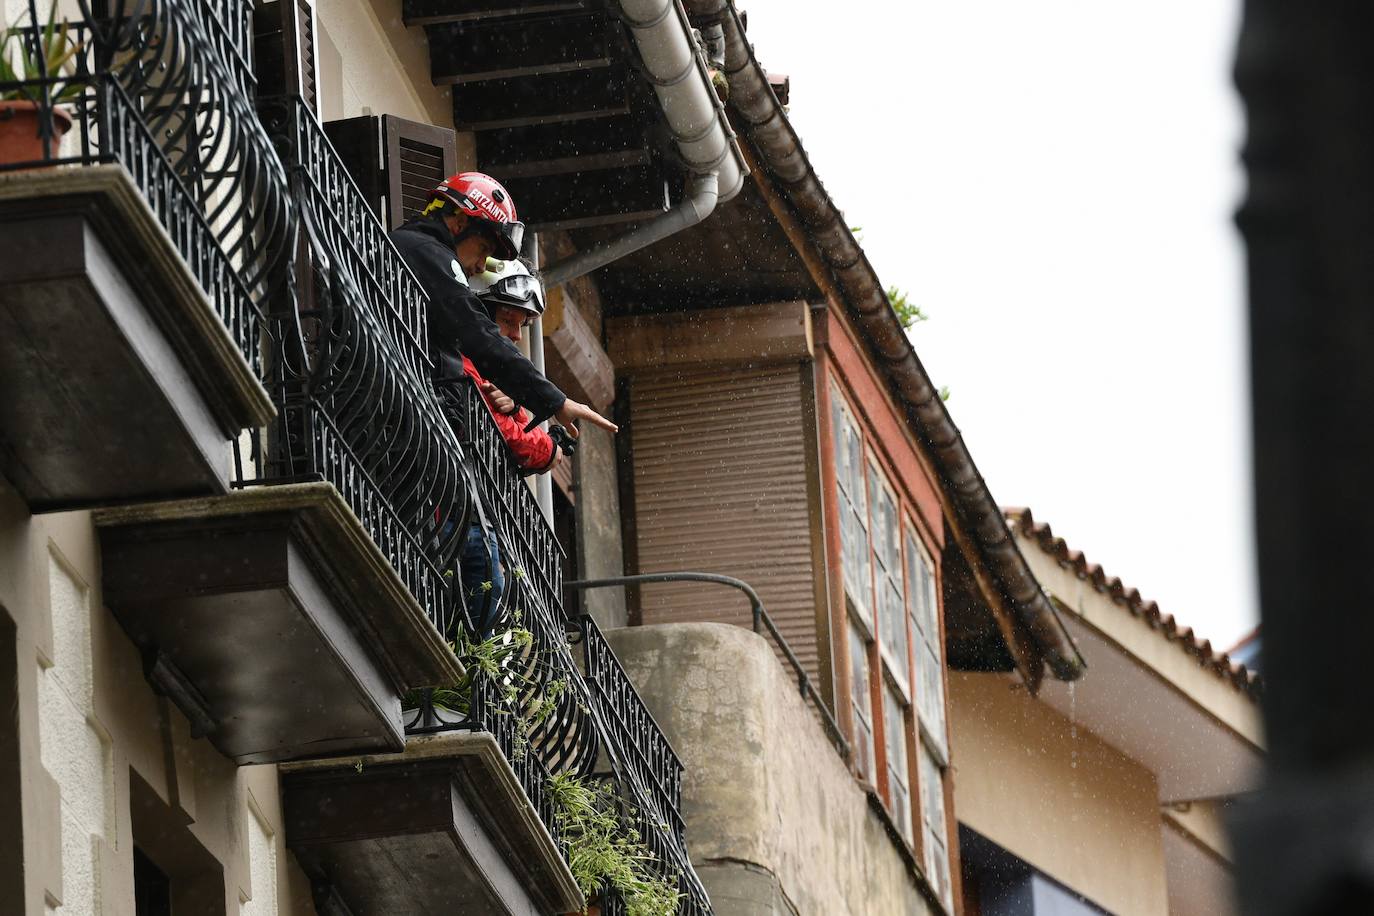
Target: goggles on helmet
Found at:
519, 290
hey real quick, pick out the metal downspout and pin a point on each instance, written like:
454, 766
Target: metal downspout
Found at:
673, 62
697, 204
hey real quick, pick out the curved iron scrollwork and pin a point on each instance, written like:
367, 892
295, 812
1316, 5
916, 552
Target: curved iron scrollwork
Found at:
161, 88
353, 413
647, 771
528, 544
183, 69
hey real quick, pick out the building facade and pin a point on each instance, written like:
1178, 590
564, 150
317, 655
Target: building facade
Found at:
1110, 795
228, 491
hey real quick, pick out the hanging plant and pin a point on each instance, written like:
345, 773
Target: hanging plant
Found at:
492, 658
604, 852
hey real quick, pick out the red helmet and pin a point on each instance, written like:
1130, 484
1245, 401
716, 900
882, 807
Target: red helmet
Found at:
481, 197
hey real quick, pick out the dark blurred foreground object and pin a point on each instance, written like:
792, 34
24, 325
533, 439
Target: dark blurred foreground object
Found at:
1305, 844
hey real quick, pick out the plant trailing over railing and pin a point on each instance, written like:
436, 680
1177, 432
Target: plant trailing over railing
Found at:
605, 851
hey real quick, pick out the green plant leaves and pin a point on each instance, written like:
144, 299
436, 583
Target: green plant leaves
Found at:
52, 58
603, 850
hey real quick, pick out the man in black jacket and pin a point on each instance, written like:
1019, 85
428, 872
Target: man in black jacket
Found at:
470, 218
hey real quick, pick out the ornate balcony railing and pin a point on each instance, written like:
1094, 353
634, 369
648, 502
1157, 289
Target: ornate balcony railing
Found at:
593, 723
527, 543
349, 374
647, 769
149, 90
326, 313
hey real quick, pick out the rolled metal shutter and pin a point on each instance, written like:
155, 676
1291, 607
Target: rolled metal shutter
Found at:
720, 486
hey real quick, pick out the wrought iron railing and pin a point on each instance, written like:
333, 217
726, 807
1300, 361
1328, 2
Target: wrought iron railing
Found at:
527, 543
350, 376
148, 90
596, 724
647, 770
323, 308
385, 284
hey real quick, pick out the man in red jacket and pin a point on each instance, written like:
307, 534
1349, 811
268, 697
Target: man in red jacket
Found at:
513, 299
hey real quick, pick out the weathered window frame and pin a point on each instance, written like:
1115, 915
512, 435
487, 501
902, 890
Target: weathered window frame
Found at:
917, 805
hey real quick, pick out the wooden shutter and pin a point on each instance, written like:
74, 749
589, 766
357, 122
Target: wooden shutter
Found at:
357, 142
284, 50
417, 157
394, 162
720, 486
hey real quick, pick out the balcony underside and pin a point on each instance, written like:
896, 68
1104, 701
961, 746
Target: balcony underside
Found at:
441, 828
119, 381
271, 619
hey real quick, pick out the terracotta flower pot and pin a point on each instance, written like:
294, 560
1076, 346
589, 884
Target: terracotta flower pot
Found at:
20, 140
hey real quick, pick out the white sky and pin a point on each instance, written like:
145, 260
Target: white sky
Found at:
1053, 183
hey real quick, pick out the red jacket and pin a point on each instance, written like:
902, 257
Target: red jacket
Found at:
533, 450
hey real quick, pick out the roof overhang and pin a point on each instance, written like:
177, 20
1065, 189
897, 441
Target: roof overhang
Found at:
1131, 705
1194, 724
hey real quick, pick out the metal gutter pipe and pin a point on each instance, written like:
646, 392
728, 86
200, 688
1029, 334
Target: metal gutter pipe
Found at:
696, 204
695, 116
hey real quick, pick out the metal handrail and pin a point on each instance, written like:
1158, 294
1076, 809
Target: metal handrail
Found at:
761, 617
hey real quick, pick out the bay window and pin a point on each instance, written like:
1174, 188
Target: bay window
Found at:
894, 650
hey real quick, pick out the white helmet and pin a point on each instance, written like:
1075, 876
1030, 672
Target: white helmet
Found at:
509, 283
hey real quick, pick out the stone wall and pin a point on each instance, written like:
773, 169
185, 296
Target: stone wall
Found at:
776, 823
99, 757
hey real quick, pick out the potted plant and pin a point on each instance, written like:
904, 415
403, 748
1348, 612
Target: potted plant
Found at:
28, 55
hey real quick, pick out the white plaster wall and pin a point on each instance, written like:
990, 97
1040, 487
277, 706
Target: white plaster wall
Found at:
370, 63
262, 867
1057, 796
88, 720
72, 748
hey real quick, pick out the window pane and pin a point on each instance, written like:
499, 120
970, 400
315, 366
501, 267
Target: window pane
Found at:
854, 548
928, 607
853, 521
925, 626
859, 701
887, 574
898, 777
930, 695
892, 629
933, 816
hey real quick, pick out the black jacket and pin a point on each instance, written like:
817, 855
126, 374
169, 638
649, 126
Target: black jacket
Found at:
460, 326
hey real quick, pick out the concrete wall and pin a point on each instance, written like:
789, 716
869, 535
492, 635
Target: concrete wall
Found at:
367, 58
369, 62
1056, 796
93, 738
600, 551
776, 824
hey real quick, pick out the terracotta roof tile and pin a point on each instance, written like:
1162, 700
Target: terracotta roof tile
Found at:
1130, 598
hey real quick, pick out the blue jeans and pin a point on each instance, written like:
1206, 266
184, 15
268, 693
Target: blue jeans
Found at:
483, 582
